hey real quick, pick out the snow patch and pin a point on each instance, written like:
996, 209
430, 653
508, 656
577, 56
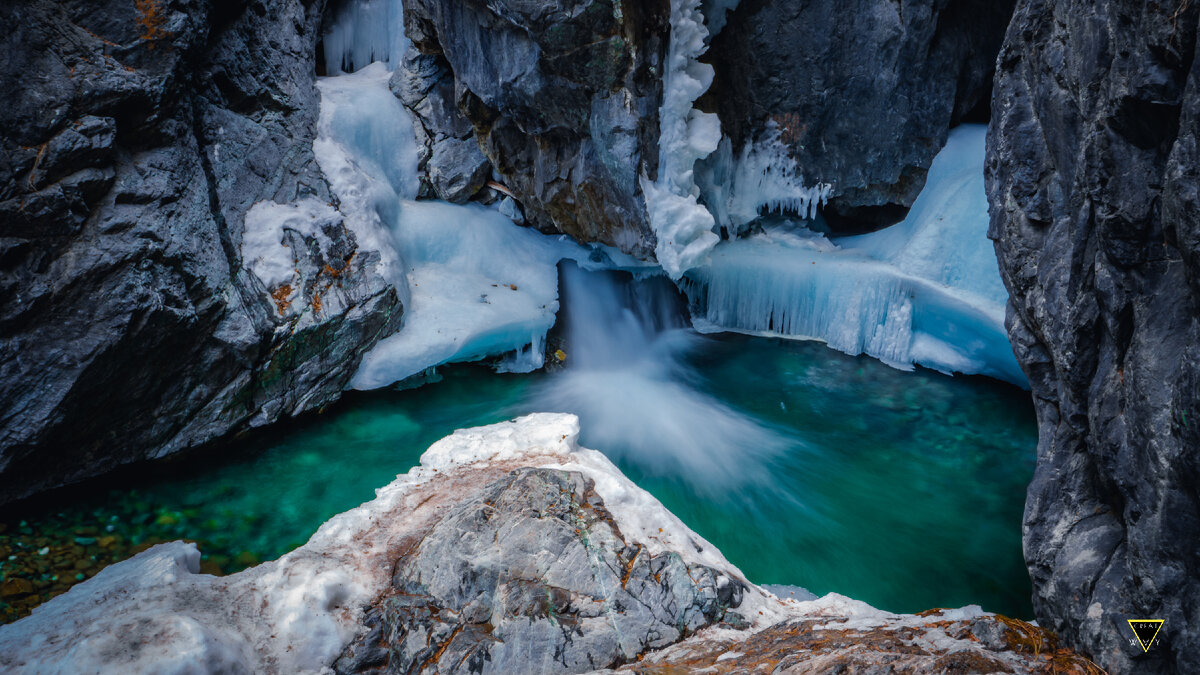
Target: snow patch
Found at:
265, 248
366, 148
154, 613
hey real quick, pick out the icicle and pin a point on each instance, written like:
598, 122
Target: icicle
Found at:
924, 291
363, 32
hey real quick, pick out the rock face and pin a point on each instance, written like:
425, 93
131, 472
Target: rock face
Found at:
563, 98
136, 138
1095, 203
563, 592
509, 549
449, 159
564, 101
862, 94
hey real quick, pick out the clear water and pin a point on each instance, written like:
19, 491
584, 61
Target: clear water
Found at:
904, 490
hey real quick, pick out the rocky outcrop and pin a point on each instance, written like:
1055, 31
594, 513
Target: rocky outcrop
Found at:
861, 94
1095, 200
564, 592
509, 549
563, 98
136, 138
565, 101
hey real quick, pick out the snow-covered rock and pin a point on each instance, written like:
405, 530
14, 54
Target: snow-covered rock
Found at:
509, 548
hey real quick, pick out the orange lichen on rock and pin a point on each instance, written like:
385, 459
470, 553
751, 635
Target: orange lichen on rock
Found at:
282, 297
899, 644
151, 19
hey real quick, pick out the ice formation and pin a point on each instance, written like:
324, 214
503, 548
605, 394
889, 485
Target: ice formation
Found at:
367, 150
763, 177
474, 284
683, 227
924, 291
363, 32
480, 286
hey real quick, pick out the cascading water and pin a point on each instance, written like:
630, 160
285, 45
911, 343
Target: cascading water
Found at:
636, 399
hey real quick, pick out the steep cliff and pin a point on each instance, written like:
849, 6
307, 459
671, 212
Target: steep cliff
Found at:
137, 137
566, 103
1095, 202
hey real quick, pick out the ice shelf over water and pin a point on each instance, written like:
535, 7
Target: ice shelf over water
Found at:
925, 291
480, 286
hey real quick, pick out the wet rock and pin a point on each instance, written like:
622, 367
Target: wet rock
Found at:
1093, 186
562, 99
12, 589
452, 166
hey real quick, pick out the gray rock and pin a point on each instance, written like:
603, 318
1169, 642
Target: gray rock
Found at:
450, 161
863, 93
533, 575
1093, 184
563, 99
134, 141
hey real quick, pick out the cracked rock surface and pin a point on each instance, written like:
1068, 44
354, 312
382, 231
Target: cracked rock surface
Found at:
534, 575
510, 549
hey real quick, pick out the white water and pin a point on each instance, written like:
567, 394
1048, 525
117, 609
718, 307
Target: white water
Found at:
627, 381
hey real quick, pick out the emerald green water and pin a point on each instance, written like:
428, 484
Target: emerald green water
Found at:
904, 490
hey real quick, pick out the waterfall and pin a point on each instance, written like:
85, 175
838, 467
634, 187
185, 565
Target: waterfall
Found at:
628, 380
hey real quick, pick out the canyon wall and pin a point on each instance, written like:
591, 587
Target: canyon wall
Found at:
136, 138
135, 322
1095, 203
